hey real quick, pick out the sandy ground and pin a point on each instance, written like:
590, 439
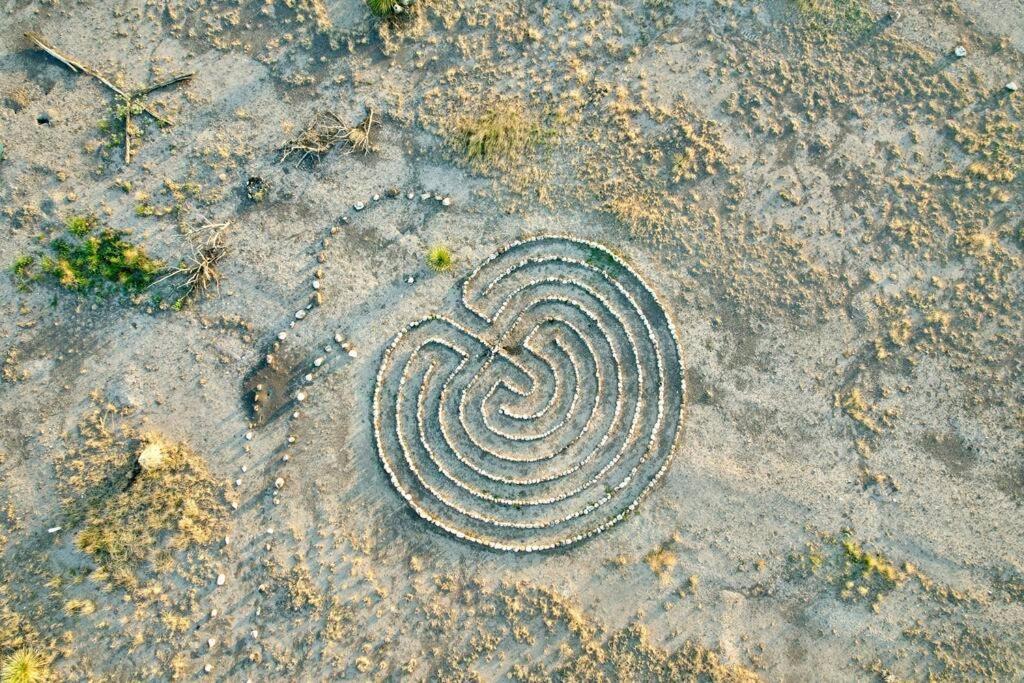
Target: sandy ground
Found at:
839, 248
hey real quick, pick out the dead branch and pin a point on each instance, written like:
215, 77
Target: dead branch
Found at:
199, 270
322, 133
71, 63
130, 99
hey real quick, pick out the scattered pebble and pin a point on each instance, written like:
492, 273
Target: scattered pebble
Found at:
221, 579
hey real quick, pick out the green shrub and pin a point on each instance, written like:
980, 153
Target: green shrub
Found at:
439, 259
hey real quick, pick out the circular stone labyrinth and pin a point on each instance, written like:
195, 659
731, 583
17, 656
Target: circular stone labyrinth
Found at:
544, 415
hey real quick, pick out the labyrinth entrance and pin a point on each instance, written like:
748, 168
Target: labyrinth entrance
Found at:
543, 413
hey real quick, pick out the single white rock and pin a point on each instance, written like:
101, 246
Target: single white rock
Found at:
352, 353
278, 483
282, 335
316, 284
53, 529
208, 668
248, 437
447, 201
300, 396
213, 614
359, 206
410, 196
425, 196
338, 338
318, 362
299, 315
960, 51
211, 642
238, 482
376, 197
1012, 86
221, 579
308, 377
410, 279
286, 458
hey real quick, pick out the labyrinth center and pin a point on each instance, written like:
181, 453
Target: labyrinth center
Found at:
543, 413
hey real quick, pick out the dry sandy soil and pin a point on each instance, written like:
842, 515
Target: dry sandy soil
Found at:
826, 198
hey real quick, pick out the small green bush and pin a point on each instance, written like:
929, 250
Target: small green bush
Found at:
24, 666
90, 258
382, 8
439, 259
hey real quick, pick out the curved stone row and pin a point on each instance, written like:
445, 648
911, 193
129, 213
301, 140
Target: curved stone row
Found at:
543, 414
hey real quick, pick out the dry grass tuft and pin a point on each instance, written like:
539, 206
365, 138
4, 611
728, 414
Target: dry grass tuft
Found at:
499, 136
174, 506
358, 137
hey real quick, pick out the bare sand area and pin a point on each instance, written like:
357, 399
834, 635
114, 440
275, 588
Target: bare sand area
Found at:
782, 312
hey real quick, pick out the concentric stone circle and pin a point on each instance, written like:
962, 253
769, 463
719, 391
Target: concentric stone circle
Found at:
542, 414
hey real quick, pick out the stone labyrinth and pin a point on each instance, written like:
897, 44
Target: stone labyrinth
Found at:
544, 415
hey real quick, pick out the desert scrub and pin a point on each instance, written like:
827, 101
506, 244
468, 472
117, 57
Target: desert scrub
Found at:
500, 135
23, 273
382, 8
440, 259
169, 502
843, 16
24, 666
90, 258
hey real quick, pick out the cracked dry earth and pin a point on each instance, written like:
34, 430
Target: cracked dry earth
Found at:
808, 212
